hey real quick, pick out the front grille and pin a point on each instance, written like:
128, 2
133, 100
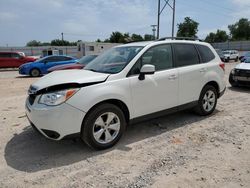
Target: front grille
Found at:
31, 99
241, 72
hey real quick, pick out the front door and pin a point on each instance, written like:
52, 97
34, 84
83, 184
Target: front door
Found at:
156, 92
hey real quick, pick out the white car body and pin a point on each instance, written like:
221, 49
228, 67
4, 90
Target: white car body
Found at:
162, 90
231, 55
240, 75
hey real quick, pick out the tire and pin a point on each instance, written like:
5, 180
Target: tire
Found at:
227, 60
237, 58
96, 121
208, 96
35, 72
231, 81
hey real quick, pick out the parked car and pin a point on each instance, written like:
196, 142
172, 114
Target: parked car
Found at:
126, 84
41, 66
231, 55
240, 75
244, 56
220, 53
14, 59
79, 65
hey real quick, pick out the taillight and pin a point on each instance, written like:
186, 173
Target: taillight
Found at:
222, 65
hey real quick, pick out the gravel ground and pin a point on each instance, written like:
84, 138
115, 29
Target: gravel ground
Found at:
178, 150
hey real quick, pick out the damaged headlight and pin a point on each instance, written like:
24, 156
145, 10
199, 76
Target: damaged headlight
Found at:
57, 97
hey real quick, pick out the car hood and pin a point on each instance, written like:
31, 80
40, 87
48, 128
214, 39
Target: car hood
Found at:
63, 66
245, 66
60, 79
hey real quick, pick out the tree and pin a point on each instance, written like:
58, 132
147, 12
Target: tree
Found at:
219, 36
33, 43
116, 37
148, 37
136, 37
98, 40
240, 30
58, 42
188, 28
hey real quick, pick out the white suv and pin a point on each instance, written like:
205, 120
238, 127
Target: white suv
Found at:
231, 55
126, 84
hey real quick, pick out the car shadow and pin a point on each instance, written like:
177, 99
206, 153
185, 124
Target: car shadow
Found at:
30, 152
242, 89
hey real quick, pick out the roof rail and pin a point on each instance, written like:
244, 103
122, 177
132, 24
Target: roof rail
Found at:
179, 38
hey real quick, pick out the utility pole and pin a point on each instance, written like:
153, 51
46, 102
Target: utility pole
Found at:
158, 18
154, 30
62, 36
159, 13
173, 19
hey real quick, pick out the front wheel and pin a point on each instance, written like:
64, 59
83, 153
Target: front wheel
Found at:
103, 126
207, 101
34, 72
236, 59
232, 81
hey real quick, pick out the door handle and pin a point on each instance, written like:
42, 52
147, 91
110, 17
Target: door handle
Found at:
203, 70
172, 77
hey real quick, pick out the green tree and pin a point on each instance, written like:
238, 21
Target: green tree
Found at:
148, 37
98, 40
136, 37
189, 28
219, 36
33, 43
58, 42
240, 30
117, 37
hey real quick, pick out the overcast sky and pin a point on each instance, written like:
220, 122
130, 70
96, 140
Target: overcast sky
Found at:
87, 20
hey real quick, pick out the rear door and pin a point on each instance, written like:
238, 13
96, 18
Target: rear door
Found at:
156, 92
191, 72
17, 59
6, 60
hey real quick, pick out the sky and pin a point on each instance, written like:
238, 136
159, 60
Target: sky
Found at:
88, 20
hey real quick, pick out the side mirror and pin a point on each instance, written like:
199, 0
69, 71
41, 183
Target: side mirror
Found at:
146, 69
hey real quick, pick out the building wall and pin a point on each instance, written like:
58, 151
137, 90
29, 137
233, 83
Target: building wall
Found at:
38, 51
93, 48
82, 48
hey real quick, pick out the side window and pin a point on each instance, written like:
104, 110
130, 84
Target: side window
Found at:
15, 55
185, 54
5, 55
159, 56
205, 53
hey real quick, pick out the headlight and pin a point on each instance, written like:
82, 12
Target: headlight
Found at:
56, 98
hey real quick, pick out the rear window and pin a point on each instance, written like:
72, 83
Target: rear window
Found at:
205, 53
185, 54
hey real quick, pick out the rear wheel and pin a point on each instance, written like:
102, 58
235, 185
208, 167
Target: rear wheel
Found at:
207, 101
34, 72
103, 126
237, 58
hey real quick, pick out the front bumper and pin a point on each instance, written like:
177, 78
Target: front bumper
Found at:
241, 77
54, 122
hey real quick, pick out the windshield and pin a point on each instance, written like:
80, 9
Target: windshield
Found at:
86, 59
113, 60
247, 60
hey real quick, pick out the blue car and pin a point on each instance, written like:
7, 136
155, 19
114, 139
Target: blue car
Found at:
244, 56
42, 65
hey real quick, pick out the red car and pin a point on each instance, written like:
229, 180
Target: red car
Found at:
79, 65
14, 59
